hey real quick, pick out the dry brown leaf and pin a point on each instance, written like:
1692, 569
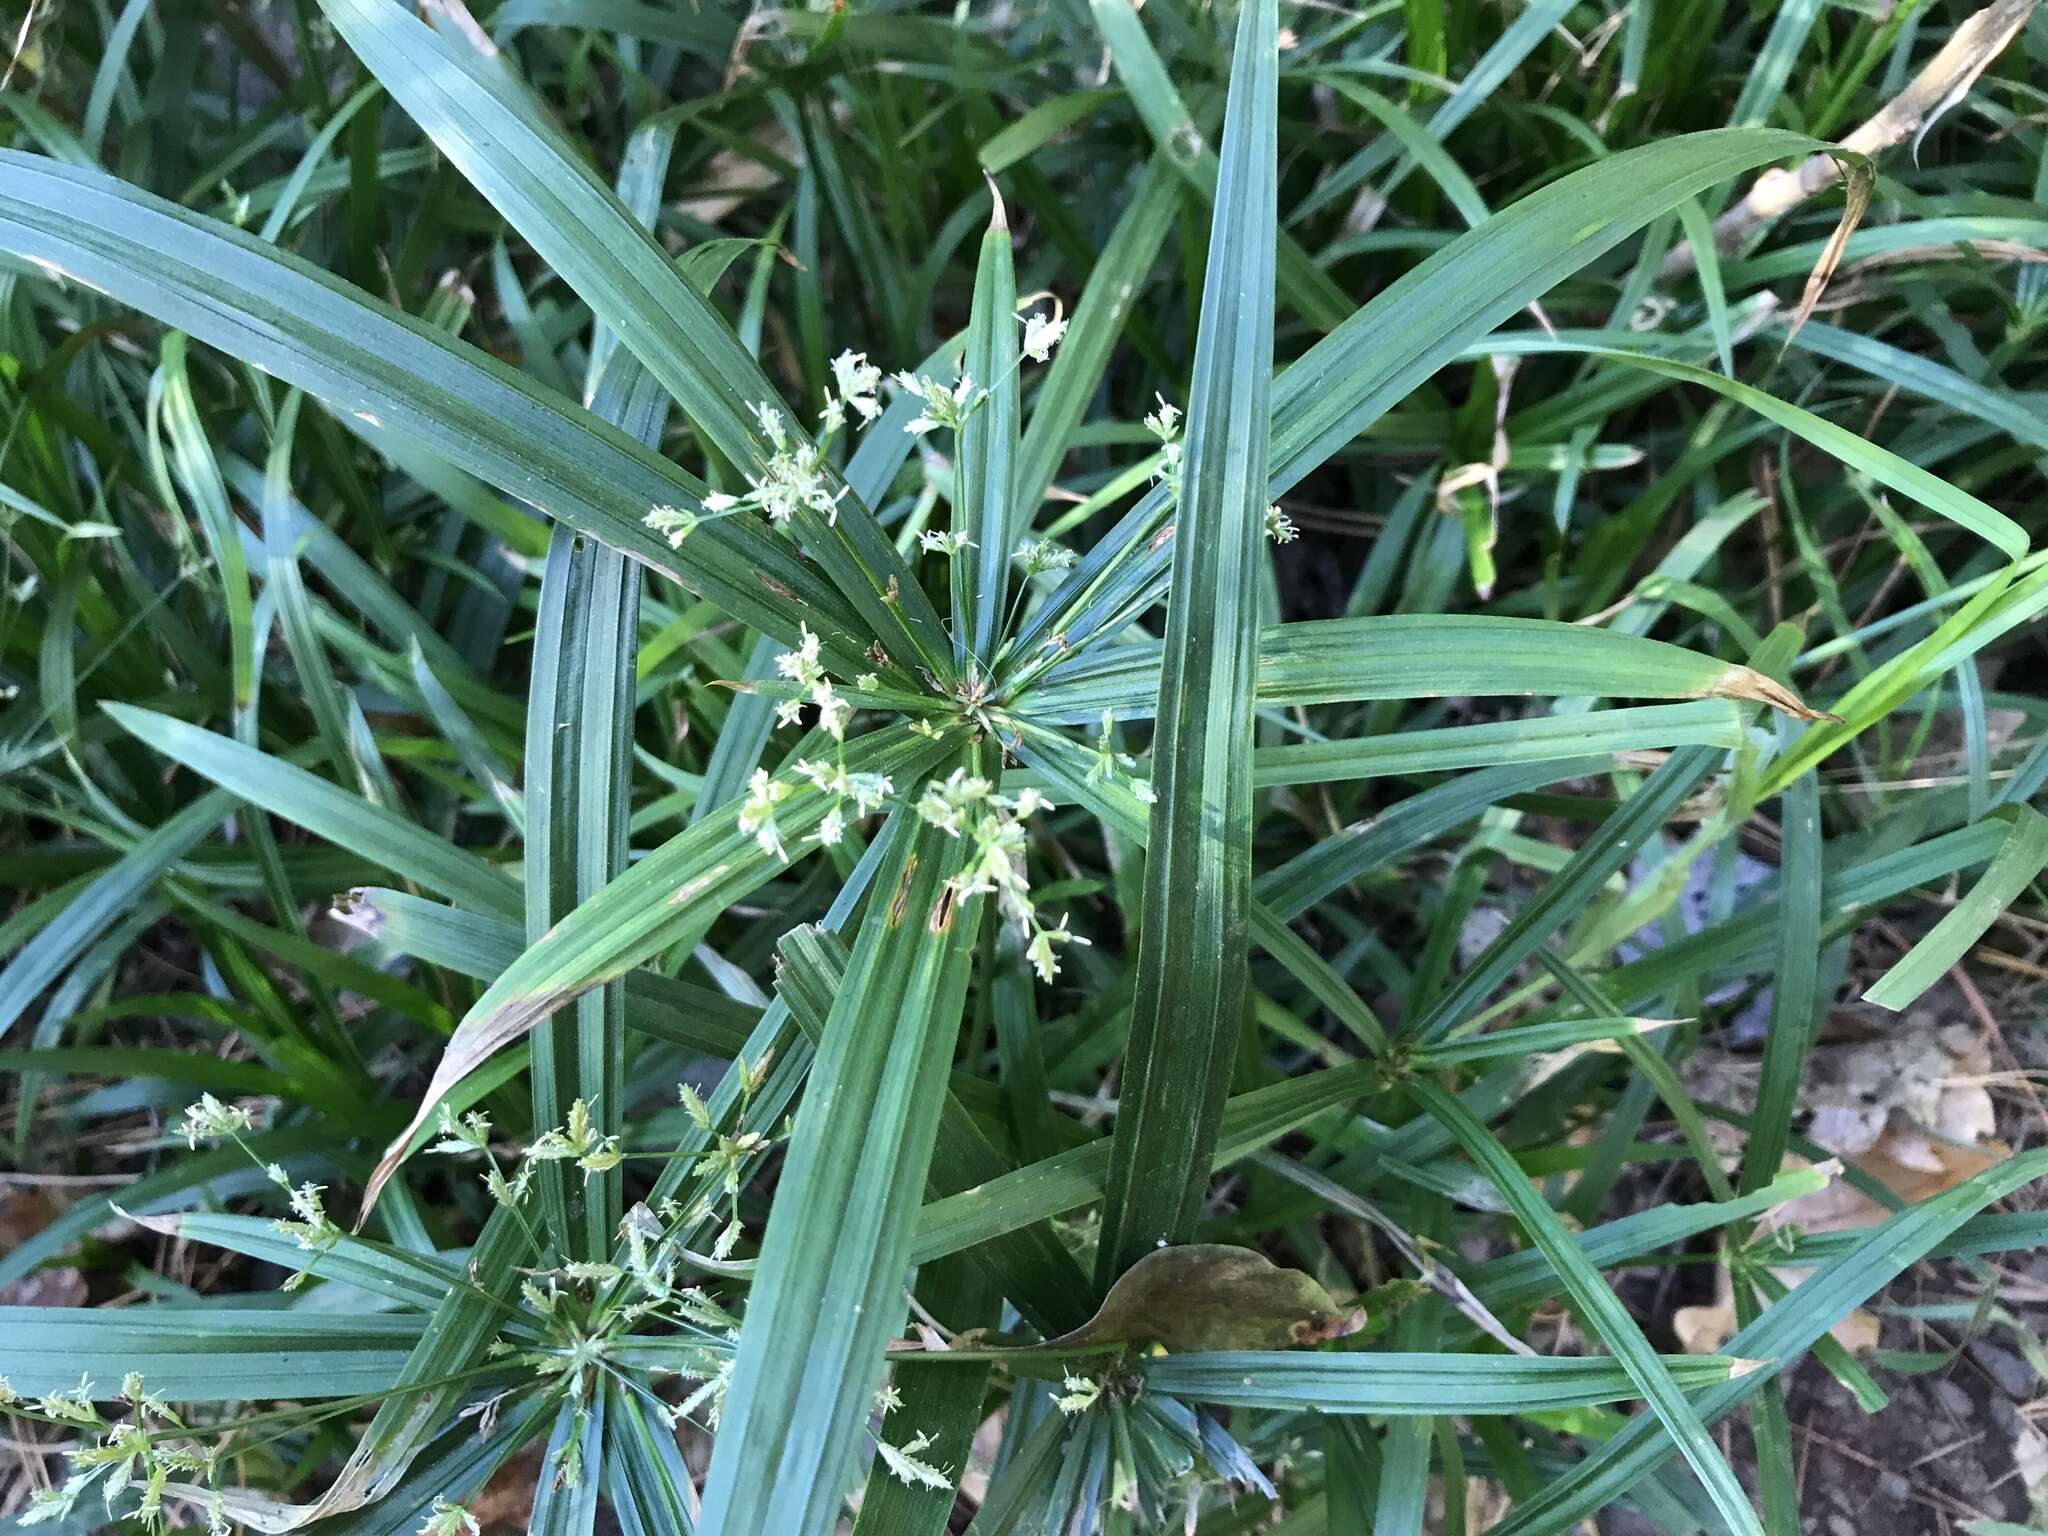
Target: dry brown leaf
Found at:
2030, 1457
1861, 179
731, 177
1749, 685
1704, 1329
1942, 81
62, 1286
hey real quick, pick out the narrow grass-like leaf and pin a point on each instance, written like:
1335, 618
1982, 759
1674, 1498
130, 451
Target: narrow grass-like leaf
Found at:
1307, 288
290, 319
579, 737
1191, 960
344, 819
646, 1482
483, 763
115, 890
984, 478
488, 127
2001, 605
1795, 1007
475, 944
1428, 316
1520, 1278
1030, 1265
2022, 856
1608, 850
1113, 287
1066, 1180
286, 587
409, 1280
1534, 739
1786, 1330
205, 1354
1117, 804
578, 758
940, 1413
1882, 465
1392, 1384
1022, 138
670, 892
563, 1506
827, 1293
1515, 44
198, 472
1597, 1306
1405, 656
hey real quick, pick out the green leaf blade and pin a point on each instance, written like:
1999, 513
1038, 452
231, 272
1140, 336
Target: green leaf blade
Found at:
1191, 962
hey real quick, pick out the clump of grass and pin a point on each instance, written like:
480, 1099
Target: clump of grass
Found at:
935, 830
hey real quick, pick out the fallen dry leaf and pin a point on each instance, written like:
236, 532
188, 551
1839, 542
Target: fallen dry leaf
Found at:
62, 1286
1909, 1109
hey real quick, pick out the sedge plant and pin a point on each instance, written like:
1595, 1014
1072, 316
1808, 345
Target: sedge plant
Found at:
733, 836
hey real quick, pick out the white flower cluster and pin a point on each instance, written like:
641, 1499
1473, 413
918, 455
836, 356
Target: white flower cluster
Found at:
1042, 555
903, 1460
673, 523
944, 542
854, 382
1164, 424
794, 475
971, 809
1041, 334
802, 667
904, 1465
757, 811
943, 407
144, 1455
577, 1142
948, 406
446, 1519
805, 668
867, 791
1080, 1394
211, 1120
311, 1229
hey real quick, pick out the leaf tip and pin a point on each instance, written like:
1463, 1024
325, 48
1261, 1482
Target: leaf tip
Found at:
1746, 683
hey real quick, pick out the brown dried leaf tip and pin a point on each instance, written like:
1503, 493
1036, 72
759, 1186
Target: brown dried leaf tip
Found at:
1746, 683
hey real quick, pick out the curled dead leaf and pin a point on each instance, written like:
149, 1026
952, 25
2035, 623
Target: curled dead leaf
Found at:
1746, 683
1856, 198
